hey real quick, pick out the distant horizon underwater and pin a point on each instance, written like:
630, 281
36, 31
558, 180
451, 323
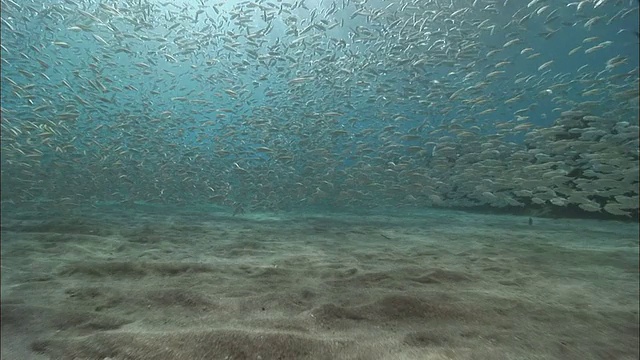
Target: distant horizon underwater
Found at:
319, 179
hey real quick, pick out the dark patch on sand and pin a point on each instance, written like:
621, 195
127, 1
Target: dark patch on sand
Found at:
36, 319
216, 344
132, 269
177, 297
426, 339
441, 276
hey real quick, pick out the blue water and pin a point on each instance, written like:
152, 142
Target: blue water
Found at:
119, 101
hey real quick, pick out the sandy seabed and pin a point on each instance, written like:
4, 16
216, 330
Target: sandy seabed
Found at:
157, 283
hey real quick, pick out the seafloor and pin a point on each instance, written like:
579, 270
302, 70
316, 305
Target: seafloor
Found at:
158, 283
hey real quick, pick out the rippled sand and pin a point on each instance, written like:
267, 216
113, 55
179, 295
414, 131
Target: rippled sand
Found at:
154, 283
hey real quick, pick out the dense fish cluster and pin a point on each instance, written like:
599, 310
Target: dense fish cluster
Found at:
282, 104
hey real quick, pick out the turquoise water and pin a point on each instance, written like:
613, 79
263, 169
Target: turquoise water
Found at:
525, 107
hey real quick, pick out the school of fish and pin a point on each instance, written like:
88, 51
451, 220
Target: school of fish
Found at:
347, 104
